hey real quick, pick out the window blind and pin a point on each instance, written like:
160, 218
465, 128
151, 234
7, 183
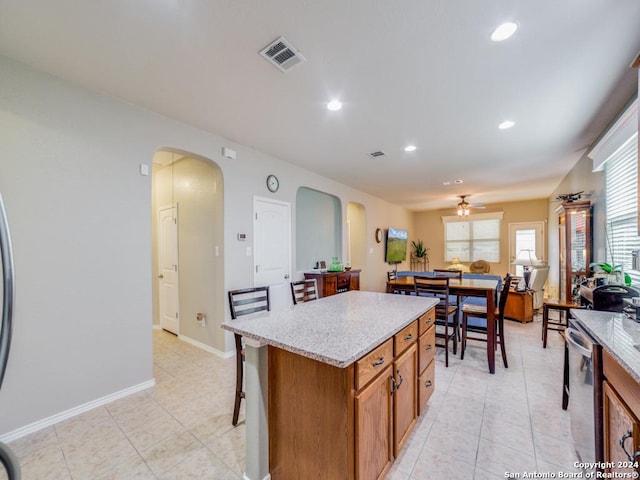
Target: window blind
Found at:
621, 191
472, 240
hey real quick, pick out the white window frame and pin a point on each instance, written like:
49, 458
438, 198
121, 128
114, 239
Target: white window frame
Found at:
617, 154
470, 219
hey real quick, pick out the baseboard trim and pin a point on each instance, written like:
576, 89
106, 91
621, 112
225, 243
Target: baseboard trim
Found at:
72, 412
206, 347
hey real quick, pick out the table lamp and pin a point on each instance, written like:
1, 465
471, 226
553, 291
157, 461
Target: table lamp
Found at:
526, 258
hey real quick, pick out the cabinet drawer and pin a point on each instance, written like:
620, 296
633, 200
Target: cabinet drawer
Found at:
426, 348
426, 386
427, 320
374, 362
405, 337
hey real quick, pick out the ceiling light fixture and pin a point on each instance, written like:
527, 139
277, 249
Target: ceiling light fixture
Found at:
410, 148
504, 31
506, 124
463, 207
334, 105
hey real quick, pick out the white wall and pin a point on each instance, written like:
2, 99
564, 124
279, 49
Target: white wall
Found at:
80, 218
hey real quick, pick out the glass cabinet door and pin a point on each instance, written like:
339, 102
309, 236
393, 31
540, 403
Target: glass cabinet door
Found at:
575, 247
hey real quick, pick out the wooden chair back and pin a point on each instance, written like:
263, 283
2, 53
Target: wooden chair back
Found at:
304, 291
392, 275
249, 300
433, 287
502, 302
439, 272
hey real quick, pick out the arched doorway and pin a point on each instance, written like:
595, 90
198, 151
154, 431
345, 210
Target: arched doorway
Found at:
189, 188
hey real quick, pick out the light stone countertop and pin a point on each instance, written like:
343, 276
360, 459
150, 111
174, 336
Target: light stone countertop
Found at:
616, 333
336, 330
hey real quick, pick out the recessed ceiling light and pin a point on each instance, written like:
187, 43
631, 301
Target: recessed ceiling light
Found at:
410, 148
458, 182
504, 31
446, 182
506, 124
334, 105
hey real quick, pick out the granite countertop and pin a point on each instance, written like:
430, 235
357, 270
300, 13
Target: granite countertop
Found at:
336, 330
616, 333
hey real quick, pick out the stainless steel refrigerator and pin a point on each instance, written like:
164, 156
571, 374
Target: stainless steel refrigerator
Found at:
7, 457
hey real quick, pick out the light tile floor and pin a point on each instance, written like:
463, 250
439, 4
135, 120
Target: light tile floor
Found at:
477, 426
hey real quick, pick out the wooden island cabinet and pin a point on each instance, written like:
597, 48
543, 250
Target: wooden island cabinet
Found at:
347, 419
621, 410
349, 423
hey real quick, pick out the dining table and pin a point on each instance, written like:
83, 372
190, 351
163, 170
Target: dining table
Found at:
465, 287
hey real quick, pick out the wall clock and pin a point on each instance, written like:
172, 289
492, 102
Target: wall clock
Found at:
273, 183
378, 235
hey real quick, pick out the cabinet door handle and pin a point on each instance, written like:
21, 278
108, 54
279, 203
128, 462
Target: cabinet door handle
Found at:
401, 379
394, 385
409, 337
428, 347
379, 362
428, 383
625, 437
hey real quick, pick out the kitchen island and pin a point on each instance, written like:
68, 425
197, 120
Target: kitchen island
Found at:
334, 386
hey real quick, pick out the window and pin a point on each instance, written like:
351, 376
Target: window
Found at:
472, 238
621, 190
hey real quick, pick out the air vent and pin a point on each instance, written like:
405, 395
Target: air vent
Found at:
282, 54
377, 154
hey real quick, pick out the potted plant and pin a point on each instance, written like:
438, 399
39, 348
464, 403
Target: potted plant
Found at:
419, 253
419, 250
613, 270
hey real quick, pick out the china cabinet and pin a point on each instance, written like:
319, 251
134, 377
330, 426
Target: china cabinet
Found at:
575, 246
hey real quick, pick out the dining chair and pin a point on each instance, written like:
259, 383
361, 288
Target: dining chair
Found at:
474, 320
243, 302
304, 291
446, 313
454, 299
393, 275
442, 272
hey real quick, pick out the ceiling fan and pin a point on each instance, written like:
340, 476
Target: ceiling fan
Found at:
464, 207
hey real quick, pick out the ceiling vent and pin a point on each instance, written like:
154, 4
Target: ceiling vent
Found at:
282, 54
377, 154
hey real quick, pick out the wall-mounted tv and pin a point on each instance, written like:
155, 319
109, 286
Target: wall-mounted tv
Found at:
396, 245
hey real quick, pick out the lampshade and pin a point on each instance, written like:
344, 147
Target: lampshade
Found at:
526, 258
455, 261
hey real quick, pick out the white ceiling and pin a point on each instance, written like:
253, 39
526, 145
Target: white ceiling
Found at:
408, 71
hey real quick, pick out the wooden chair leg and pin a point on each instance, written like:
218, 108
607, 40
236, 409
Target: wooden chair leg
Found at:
463, 342
503, 348
455, 337
545, 325
239, 379
446, 344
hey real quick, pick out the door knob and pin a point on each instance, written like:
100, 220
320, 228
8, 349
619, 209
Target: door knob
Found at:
161, 276
286, 275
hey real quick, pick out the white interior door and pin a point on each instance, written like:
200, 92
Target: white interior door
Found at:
272, 249
168, 268
529, 236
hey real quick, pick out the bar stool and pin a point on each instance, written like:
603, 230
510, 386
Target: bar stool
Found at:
559, 326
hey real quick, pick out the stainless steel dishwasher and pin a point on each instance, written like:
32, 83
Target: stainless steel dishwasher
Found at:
585, 392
